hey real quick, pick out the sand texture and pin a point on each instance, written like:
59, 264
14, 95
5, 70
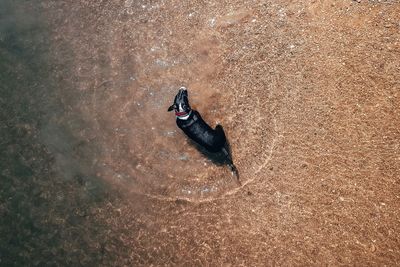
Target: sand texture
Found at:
95, 172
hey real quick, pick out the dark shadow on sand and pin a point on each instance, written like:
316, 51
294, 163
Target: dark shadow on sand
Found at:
218, 158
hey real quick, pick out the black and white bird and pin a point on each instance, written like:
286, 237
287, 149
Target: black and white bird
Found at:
193, 125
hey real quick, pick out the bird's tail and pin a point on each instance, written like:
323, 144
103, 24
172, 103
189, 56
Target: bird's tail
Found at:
232, 166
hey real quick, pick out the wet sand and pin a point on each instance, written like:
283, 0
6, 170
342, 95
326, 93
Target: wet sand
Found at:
308, 94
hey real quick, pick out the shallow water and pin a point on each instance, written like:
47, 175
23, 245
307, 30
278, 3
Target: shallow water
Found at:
126, 79
105, 101
306, 93
124, 92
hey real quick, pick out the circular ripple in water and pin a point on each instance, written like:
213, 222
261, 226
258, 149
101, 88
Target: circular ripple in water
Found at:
147, 153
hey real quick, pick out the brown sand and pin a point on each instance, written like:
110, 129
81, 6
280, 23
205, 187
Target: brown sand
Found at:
308, 94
